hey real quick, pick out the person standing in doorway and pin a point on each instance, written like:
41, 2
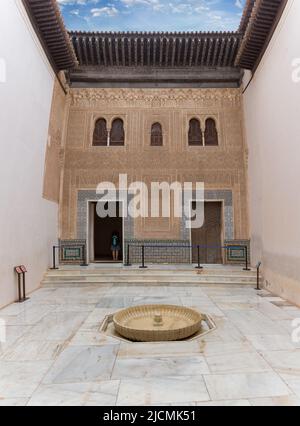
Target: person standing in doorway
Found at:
115, 246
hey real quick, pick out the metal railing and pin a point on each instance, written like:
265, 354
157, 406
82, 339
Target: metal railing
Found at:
144, 247
198, 247
62, 246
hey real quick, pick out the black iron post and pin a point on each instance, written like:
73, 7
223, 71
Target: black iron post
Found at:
246, 251
127, 256
199, 263
54, 258
84, 256
143, 258
258, 275
24, 288
19, 287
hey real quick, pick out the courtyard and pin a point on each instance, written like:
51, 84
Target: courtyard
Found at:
55, 354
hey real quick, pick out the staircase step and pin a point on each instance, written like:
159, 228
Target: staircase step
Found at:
125, 271
150, 283
154, 276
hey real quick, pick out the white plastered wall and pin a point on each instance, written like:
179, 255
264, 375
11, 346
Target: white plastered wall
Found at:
272, 120
28, 223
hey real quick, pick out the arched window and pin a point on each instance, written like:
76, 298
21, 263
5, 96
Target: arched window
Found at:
117, 134
195, 132
100, 136
211, 134
156, 135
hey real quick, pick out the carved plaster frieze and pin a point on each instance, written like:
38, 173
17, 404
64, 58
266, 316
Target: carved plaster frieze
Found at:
153, 98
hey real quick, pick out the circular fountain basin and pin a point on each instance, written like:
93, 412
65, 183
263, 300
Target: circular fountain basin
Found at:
156, 323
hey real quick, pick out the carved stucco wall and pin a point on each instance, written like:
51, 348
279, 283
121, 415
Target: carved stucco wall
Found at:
221, 168
54, 159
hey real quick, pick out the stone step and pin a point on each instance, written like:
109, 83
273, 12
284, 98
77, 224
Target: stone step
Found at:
161, 279
142, 283
150, 272
154, 275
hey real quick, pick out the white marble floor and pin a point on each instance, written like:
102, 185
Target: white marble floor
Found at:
55, 355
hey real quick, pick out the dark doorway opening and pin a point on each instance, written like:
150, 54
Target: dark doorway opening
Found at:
209, 236
104, 228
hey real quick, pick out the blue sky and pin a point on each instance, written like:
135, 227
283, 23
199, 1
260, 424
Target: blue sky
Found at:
152, 15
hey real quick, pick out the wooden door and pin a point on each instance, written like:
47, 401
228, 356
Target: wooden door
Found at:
209, 236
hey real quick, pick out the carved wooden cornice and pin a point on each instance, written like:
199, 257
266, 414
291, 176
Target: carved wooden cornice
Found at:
155, 98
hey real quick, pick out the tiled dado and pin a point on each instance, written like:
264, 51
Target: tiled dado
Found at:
158, 251
237, 250
72, 251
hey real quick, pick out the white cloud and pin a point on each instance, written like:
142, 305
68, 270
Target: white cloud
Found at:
109, 11
132, 3
154, 15
76, 2
74, 12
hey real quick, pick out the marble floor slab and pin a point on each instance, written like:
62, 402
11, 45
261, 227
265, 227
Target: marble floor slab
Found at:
159, 367
283, 401
162, 349
78, 364
55, 354
13, 402
30, 315
153, 300
229, 403
284, 361
118, 302
20, 379
57, 326
249, 362
252, 385
275, 342
254, 322
12, 334
293, 382
33, 350
211, 348
162, 391
76, 394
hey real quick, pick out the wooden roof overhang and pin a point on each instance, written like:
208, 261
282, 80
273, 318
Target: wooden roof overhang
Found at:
258, 24
200, 59
156, 49
49, 26
192, 59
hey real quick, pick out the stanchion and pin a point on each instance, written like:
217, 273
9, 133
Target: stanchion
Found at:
143, 258
246, 252
127, 256
84, 262
198, 254
54, 267
258, 275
